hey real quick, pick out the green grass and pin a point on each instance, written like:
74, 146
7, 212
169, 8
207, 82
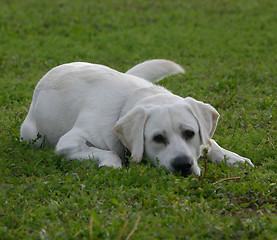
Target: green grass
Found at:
229, 51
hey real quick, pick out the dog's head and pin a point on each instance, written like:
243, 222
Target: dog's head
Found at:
169, 135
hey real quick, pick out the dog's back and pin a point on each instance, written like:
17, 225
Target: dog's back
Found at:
68, 89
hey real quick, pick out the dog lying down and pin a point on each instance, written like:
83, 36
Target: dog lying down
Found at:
89, 111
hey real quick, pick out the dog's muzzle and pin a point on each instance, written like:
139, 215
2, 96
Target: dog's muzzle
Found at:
182, 164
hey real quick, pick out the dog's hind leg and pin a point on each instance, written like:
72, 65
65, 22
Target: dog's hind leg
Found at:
73, 145
29, 132
219, 154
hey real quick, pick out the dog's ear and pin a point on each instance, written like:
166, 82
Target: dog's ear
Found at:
206, 116
130, 131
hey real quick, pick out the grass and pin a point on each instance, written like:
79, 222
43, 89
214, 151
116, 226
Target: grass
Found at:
229, 51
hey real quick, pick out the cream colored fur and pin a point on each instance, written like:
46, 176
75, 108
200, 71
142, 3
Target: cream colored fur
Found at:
90, 111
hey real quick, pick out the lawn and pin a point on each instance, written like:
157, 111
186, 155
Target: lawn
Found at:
229, 51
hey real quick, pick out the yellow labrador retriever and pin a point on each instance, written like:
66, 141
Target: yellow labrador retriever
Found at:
90, 111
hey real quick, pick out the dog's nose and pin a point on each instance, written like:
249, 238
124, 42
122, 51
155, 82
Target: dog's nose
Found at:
182, 164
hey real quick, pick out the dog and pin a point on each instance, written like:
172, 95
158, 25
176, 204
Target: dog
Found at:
90, 111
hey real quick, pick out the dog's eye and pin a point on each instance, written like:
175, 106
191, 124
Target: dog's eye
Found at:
188, 134
160, 139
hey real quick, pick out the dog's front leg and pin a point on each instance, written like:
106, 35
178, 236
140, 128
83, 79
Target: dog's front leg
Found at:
73, 145
219, 154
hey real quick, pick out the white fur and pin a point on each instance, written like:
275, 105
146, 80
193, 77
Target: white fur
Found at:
155, 70
91, 111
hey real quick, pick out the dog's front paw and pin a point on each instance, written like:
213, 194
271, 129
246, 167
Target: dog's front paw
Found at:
110, 159
219, 154
236, 160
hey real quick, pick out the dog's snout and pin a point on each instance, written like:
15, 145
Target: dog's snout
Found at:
182, 164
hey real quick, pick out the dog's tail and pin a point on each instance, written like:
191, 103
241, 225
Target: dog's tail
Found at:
155, 70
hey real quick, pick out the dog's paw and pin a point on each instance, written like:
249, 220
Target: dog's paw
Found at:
110, 159
219, 154
236, 160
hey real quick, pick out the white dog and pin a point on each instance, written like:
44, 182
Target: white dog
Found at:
90, 111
